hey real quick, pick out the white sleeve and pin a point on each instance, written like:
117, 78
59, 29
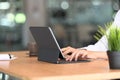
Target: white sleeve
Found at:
117, 19
102, 44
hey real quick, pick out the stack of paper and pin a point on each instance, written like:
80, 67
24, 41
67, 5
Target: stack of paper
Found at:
6, 57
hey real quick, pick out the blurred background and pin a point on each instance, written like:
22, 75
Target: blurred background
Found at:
74, 22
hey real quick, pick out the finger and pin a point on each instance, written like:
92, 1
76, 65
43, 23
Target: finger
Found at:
67, 58
64, 49
67, 52
58, 58
84, 55
78, 55
73, 55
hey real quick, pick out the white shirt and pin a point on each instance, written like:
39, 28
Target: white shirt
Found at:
102, 44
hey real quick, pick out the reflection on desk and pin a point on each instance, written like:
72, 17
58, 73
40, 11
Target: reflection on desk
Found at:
29, 68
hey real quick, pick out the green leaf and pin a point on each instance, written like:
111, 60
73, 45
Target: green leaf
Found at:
112, 32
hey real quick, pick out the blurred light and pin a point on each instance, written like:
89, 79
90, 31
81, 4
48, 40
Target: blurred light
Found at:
10, 17
6, 22
4, 5
20, 18
96, 2
64, 5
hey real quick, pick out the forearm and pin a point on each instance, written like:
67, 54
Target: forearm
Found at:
98, 54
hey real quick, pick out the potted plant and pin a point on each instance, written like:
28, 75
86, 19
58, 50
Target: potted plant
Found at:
112, 33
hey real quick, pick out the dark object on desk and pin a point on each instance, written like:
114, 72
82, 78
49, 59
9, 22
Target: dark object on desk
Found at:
48, 47
114, 59
63, 61
33, 49
10, 56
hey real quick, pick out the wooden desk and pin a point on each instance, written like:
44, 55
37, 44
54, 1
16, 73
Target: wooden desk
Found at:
29, 68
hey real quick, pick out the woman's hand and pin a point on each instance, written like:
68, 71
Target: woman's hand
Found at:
75, 54
71, 53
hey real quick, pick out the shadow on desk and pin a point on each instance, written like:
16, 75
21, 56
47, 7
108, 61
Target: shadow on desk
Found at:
114, 79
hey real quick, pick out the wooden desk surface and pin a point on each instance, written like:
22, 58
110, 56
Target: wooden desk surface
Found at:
29, 68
